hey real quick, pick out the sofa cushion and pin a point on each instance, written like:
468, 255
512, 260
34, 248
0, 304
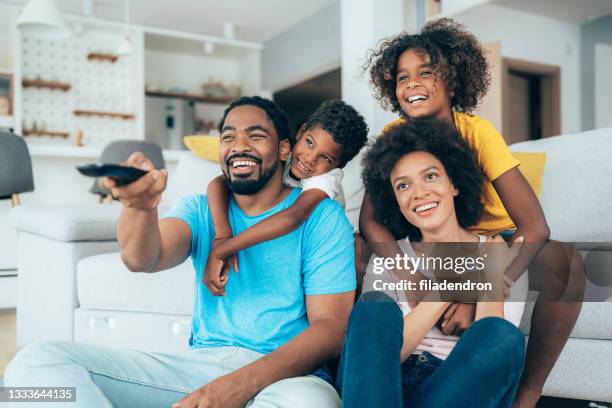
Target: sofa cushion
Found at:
593, 323
576, 196
132, 330
191, 176
103, 282
582, 372
532, 167
69, 223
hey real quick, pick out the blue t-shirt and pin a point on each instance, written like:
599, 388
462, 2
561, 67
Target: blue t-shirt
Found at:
264, 304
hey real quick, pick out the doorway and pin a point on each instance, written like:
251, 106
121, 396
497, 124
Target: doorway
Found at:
302, 99
531, 100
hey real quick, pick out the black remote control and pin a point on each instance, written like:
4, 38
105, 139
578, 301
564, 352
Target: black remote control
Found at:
121, 174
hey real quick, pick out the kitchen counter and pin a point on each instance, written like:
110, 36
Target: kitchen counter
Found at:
40, 150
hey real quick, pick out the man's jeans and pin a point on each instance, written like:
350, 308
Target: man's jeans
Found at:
483, 370
107, 378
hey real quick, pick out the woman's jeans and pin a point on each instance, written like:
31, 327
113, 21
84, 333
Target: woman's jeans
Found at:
483, 370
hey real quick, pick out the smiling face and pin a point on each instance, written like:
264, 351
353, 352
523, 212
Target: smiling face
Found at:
250, 152
420, 92
424, 192
315, 152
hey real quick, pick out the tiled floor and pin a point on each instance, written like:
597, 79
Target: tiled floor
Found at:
8, 339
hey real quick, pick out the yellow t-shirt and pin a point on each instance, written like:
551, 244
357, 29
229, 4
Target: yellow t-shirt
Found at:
494, 158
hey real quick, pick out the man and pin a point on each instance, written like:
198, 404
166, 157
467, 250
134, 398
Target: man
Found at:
284, 313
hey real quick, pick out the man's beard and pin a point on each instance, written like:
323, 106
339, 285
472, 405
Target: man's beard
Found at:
249, 186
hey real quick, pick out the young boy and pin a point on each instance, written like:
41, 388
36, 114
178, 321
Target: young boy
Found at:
329, 139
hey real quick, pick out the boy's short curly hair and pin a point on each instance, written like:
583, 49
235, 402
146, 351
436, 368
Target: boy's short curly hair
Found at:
442, 141
275, 114
344, 123
457, 56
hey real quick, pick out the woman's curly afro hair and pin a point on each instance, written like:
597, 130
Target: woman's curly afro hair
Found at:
443, 142
457, 56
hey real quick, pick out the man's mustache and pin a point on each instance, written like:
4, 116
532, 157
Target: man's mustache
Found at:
242, 156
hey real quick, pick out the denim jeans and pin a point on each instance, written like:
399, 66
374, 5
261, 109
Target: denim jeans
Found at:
107, 378
483, 370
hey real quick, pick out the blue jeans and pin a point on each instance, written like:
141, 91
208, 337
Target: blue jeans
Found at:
483, 370
107, 378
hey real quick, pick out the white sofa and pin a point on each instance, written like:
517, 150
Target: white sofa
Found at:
73, 286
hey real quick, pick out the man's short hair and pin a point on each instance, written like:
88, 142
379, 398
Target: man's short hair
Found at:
275, 114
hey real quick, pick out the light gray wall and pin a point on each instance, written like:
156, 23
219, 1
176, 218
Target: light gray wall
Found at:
307, 49
534, 38
598, 31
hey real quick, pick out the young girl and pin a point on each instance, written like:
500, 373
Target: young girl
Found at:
425, 186
329, 139
442, 73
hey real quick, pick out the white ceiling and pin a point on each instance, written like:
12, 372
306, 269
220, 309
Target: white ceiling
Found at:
254, 20
573, 11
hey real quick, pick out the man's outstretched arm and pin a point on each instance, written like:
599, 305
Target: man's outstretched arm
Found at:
148, 244
320, 342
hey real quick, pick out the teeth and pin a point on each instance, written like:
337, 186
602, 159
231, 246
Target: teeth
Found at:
416, 98
243, 163
303, 167
426, 207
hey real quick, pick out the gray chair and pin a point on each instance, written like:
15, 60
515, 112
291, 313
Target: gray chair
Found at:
119, 151
15, 168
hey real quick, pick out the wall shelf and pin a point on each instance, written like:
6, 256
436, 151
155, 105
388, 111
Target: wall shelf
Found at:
41, 83
115, 115
43, 132
190, 97
99, 56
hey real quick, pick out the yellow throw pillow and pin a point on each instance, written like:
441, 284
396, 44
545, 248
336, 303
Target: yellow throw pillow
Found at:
204, 146
532, 167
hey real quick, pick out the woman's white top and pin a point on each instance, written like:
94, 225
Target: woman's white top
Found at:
435, 341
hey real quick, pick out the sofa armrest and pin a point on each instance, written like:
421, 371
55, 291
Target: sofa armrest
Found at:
67, 223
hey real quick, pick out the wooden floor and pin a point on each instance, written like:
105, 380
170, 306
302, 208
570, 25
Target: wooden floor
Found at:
8, 339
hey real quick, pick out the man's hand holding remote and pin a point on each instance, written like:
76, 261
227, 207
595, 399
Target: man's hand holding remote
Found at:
143, 194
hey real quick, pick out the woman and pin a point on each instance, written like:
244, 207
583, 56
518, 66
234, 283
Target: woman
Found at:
425, 186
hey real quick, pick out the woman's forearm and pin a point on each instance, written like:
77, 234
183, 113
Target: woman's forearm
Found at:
489, 309
418, 323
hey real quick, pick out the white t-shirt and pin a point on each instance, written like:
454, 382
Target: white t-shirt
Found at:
330, 183
435, 341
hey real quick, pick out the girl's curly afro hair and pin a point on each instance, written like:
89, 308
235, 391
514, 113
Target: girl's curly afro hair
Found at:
457, 56
443, 142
